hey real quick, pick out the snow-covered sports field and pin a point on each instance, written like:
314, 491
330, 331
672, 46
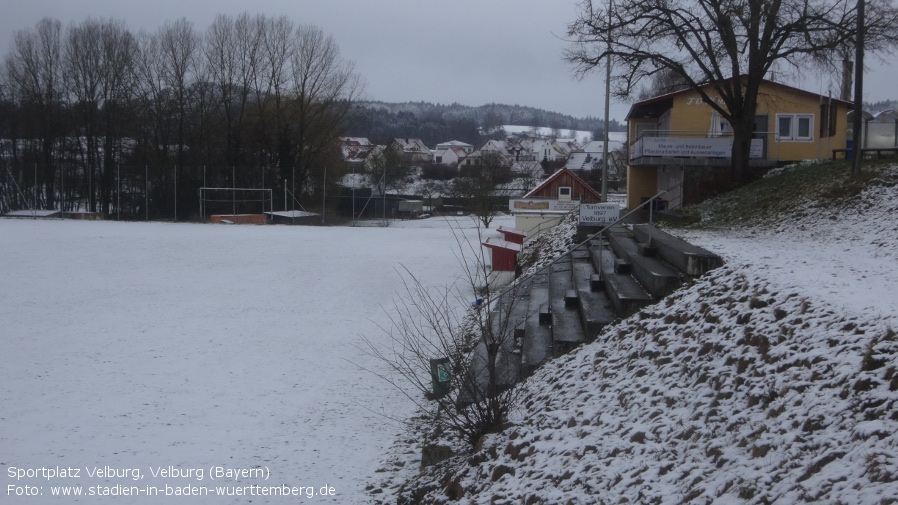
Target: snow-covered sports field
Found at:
137, 352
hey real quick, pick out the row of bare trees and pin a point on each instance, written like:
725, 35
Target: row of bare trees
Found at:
253, 101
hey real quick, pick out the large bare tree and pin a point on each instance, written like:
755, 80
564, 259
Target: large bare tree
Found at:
721, 49
323, 85
99, 57
480, 185
178, 45
34, 68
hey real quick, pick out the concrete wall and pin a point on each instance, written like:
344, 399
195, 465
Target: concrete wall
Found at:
534, 224
642, 182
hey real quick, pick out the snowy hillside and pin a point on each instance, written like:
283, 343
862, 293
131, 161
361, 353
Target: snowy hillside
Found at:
773, 379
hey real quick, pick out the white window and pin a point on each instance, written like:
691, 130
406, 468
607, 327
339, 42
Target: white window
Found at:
794, 127
564, 192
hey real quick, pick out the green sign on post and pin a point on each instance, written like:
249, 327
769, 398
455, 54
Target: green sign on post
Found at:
440, 373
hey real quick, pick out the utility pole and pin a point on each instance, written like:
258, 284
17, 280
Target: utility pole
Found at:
607, 107
858, 89
323, 195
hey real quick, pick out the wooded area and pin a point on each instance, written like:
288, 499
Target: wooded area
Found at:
96, 118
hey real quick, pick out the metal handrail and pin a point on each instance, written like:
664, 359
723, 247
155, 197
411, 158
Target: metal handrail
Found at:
506, 289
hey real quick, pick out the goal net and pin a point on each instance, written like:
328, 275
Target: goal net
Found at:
235, 201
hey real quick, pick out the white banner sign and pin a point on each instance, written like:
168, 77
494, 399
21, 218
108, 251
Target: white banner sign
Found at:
599, 213
542, 205
691, 147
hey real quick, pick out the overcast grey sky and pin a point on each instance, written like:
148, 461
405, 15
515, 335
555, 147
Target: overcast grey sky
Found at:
468, 51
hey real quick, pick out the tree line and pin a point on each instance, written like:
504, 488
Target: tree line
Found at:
93, 111
436, 123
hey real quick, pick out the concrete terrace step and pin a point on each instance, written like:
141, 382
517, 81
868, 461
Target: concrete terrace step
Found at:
690, 259
595, 309
537, 346
625, 293
567, 332
658, 278
569, 301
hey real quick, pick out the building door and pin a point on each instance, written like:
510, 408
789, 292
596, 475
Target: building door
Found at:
761, 130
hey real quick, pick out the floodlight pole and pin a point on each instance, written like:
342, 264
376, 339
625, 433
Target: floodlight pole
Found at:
176, 193
607, 107
858, 89
353, 192
323, 194
293, 196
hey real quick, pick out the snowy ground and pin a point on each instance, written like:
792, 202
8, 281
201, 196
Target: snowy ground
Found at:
146, 345
770, 380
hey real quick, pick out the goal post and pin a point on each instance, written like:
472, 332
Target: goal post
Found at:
235, 201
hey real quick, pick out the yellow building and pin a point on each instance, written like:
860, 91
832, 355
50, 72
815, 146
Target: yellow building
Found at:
679, 145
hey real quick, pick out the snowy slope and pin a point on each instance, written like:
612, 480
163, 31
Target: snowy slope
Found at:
146, 345
773, 379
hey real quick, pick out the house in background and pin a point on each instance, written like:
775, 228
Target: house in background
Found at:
451, 156
548, 203
414, 150
681, 146
355, 150
455, 144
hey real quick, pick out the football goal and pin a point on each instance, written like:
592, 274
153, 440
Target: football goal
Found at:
235, 201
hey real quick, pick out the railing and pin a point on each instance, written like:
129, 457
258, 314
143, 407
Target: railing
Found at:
619, 220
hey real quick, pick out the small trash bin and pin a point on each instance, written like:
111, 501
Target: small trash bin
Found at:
441, 375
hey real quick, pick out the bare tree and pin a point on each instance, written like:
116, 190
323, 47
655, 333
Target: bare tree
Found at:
387, 169
178, 46
119, 50
231, 45
480, 185
99, 65
476, 346
34, 68
271, 85
84, 58
324, 85
721, 49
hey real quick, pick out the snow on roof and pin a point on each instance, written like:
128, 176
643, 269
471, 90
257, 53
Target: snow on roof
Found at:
497, 243
412, 145
453, 143
32, 213
513, 231
292, 213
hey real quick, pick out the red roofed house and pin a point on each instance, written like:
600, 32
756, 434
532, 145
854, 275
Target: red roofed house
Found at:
548, 203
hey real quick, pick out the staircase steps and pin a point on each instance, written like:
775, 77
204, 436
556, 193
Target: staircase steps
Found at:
571, 300
626, 295
657, 277
690, 259
567, 332
595, 308
537, 346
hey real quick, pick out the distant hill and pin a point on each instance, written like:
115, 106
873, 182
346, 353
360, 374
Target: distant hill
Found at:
874, 107
435, 123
